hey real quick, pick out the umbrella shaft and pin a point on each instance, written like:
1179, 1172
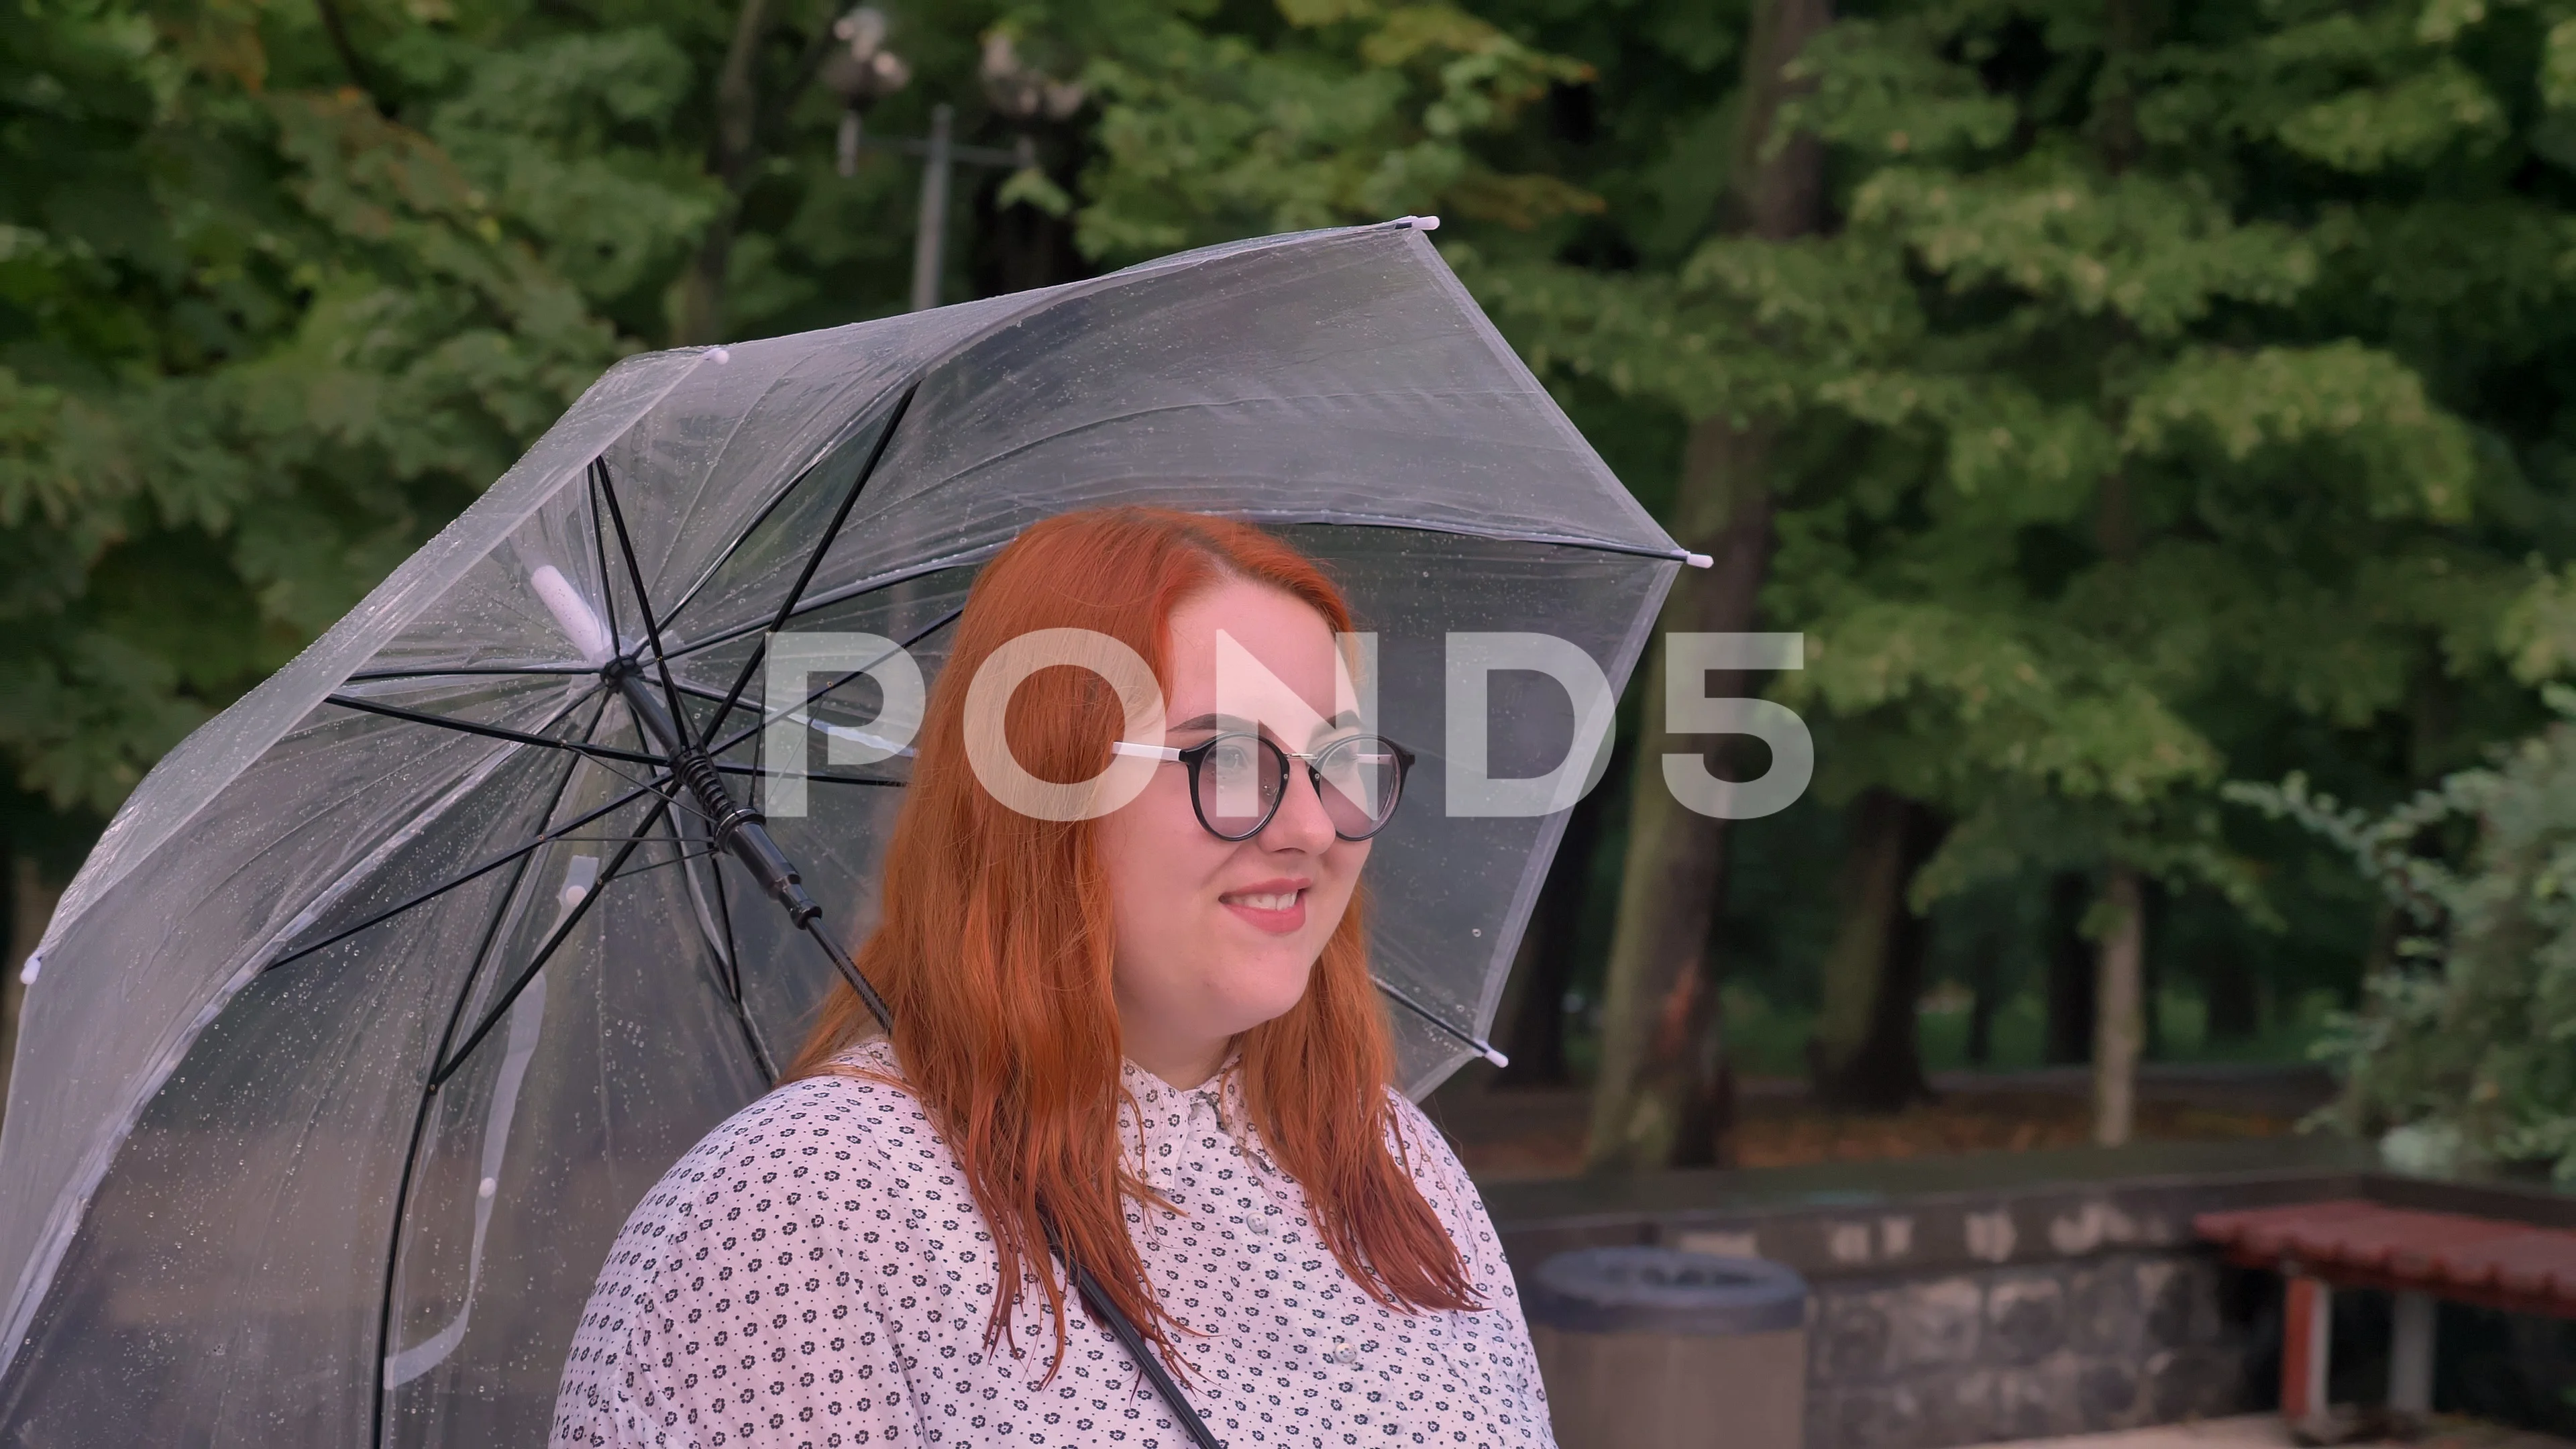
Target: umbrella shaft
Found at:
740, 829
735, 826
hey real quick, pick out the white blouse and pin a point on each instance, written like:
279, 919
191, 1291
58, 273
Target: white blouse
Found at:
815, 1274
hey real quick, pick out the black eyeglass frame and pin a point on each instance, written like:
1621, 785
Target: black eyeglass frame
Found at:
1193, 756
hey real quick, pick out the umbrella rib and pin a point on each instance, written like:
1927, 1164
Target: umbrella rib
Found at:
599, 549
1483, 1048
723, 910
767, 718
733, 966
820, 779
776, 501
643, 600
864, 587
956, 478
640, 841
420, 1111
500, 1007
597, 754
727, 973
814, 558
496, 732
534, 671
600, 755
616, 839
826, 599
476, 873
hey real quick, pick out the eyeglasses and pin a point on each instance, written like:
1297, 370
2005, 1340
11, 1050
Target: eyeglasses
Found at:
1238, 780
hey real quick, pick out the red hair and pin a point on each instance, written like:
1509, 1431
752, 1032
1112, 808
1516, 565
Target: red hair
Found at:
995, 945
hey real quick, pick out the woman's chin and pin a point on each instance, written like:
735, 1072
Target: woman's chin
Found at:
1257, 990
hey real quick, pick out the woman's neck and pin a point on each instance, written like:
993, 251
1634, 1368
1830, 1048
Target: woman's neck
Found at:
1183, 1064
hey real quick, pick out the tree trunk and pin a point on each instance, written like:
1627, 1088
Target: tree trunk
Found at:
1021, 246
2070, 972
2116, 1032
335, 28
1665, 1093
1534, 1015
2235, 1011
733, 157
1865, 1056
1984, 982
2152, 901
1662, 1036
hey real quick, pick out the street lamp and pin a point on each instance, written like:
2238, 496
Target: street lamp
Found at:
864, 70
861, 71
1022, 92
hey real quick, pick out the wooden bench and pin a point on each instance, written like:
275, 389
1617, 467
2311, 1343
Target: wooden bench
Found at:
2420, 1257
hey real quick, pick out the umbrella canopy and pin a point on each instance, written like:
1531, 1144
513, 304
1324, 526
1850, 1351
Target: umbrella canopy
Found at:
390, 991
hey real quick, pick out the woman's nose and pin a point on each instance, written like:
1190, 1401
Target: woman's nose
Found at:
1301, 823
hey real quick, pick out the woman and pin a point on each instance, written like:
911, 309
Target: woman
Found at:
1153, 1029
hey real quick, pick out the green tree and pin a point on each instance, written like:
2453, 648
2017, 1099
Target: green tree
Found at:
1323, 113
282, 287
256, 342
2114, 449
1664, 1094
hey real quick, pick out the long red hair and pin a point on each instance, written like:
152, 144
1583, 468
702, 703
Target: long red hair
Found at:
994, 950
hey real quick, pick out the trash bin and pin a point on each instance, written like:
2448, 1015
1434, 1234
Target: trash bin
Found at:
1654, 1348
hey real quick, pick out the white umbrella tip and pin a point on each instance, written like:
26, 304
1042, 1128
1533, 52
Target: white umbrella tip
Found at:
1697, 560
1419, 223
718, 354
1497, 1058
35, 963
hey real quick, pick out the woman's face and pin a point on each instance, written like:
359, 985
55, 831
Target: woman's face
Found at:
1215, 937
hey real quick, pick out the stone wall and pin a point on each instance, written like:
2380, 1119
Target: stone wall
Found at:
1974, 1300
2109, 1342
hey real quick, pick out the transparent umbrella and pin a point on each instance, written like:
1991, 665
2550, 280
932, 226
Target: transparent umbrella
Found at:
390, 991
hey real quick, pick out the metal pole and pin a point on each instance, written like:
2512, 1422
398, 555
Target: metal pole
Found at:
2410, 1355
930, 232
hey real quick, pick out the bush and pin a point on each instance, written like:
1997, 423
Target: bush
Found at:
2464, 1050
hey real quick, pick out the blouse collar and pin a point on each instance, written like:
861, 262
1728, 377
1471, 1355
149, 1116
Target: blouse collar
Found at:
1155, 1100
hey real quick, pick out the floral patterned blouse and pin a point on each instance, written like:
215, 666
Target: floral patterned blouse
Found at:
815, 1274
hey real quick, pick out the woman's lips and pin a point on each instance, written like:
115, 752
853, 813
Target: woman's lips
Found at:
1278, 912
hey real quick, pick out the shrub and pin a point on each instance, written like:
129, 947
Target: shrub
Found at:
2464, 1050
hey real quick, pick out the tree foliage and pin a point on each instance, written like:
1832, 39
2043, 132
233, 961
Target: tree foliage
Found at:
2174, 391
256, 343
2461, 1055
1337, 111
2104, 448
